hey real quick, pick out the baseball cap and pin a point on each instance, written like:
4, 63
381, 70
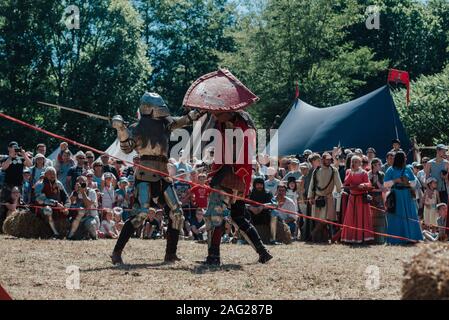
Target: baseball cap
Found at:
123, 180
442, 204
13, 144
307, 151
26, 170
294, 161
441, 147
39, 156
89, 173
396, 141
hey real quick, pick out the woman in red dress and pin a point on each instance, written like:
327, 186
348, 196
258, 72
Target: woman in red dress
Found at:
358, 212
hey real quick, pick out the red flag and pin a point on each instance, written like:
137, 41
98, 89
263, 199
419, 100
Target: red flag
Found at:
399, 76
297, 90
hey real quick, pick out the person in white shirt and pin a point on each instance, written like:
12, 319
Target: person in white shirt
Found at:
286, 203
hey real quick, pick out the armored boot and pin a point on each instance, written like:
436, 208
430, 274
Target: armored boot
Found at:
213, 256
213, 250
127, 230
264, 254
172, 246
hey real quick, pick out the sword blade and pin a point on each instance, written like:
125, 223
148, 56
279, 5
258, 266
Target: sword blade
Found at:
75, 110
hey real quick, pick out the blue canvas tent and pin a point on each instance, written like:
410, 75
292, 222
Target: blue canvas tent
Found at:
369, 121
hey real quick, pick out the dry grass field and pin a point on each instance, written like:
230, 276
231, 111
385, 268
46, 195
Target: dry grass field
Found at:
36, 269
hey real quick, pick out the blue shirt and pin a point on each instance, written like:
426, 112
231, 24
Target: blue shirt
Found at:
394, 173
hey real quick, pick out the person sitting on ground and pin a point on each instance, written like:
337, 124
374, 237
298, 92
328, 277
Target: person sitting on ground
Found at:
261, 216
108, 225
13, 202
285, 203
84, 223
51, 193
198, 225
440, 234
442, 221
118, 221
152, 226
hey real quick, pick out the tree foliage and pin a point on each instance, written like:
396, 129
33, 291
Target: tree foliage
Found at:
100, 67
126, 47
426, 116
184, 38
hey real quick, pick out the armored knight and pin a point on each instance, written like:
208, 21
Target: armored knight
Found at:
224, 96
150, 138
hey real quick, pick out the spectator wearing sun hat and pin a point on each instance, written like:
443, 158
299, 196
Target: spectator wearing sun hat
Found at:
38, 168
293, 170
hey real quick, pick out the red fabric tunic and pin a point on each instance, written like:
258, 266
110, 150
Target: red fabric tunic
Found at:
244, 168
357, 213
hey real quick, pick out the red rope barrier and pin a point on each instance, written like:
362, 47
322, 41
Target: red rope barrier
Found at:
25, 124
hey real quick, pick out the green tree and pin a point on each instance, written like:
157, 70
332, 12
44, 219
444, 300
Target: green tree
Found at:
100, 67
184, 40
412, 34
426, 116
301, 40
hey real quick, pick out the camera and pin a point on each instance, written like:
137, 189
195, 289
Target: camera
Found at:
83, 185
17, 149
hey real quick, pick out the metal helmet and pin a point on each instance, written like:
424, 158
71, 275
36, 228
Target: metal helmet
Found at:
152, 104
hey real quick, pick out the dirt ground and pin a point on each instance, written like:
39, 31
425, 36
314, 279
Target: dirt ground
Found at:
37, 269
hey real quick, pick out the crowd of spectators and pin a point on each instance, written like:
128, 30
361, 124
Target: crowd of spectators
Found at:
368, 195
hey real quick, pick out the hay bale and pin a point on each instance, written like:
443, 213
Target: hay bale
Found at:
26, 224
426, 276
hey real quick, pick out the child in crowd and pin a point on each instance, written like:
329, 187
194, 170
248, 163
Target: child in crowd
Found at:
108, 225
439, 235
198, 225
431, 198
118, 221
292, 191
121, 194
151, 226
